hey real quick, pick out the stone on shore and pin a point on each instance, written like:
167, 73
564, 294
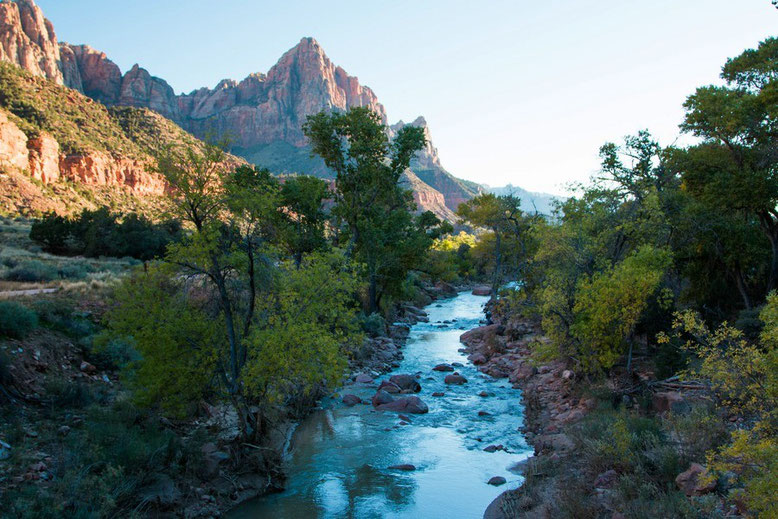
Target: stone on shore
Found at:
482, 290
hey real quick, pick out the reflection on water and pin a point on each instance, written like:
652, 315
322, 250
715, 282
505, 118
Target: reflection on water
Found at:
338, 465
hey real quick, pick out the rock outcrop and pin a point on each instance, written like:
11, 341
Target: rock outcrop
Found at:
41, 158
27, 39
262, 114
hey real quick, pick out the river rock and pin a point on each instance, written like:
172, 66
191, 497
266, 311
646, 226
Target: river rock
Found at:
494, 448
482, 290
484, 413
406, 382
351, 400
443, 367
389, 387
408, 404
477, 359
497, 481
363, 378
403, 466
382, 398
455, 378
484, 394
438, 393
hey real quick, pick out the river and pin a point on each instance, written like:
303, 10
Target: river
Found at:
339, 456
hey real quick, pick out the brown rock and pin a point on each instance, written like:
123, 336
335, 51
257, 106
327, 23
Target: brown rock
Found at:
691, 482
44, 158
27, 39
482, 290
13, 141
381, 397
406, 382
351, 400
455, 379
497, 481
443, 367
389, 387
408, 404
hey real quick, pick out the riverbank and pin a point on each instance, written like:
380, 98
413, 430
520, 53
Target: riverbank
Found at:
626, 446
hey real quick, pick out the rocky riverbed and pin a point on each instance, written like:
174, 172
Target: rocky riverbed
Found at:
434, 436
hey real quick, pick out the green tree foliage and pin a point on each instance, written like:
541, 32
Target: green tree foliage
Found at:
101, 233
510, 243
732, 171
376, 212
744, 378
303, 197
610, 304
224, 316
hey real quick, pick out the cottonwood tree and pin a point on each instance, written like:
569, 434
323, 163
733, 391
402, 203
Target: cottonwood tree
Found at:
224, 314
376, 210
735, 169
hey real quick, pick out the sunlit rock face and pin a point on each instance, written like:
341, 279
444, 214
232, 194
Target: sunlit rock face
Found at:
262, 115
27, 39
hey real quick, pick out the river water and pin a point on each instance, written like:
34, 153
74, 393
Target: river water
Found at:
339, 456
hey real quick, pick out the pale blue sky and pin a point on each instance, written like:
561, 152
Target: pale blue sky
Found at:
519, 91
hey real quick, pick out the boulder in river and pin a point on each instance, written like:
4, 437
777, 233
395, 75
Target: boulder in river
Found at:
497, 481
494, 448
482, 290
351, 400
389, 387
443, 367
408, 404
438, 393
406, 382
455, 378
382, 398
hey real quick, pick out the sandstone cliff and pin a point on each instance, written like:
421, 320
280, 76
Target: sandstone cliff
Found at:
262, 114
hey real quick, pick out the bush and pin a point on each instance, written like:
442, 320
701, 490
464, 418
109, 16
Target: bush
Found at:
101, 233
374, 325
32, 271
16, 321
74, 271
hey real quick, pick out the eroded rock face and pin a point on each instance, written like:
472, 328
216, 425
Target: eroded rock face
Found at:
13, 142
44, 158
27, 39
100, 169
100, 78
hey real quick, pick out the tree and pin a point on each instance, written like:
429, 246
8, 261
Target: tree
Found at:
376, 211
224, 315
734, 169
303, 198
503, 217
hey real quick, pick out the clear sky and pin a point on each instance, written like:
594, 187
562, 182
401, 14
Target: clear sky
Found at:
515, 91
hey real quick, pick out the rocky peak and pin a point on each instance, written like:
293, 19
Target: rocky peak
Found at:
27, 39
100, 77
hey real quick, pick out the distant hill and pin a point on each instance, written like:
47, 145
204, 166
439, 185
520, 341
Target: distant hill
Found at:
530, 201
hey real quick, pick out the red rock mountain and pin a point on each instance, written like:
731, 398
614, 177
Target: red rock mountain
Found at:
262, 114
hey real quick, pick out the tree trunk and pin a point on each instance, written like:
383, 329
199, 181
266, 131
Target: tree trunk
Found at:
372, 294
497, 262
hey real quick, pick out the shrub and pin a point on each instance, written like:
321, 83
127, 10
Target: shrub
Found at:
374, 325
16, 321
74, 271
32, 271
